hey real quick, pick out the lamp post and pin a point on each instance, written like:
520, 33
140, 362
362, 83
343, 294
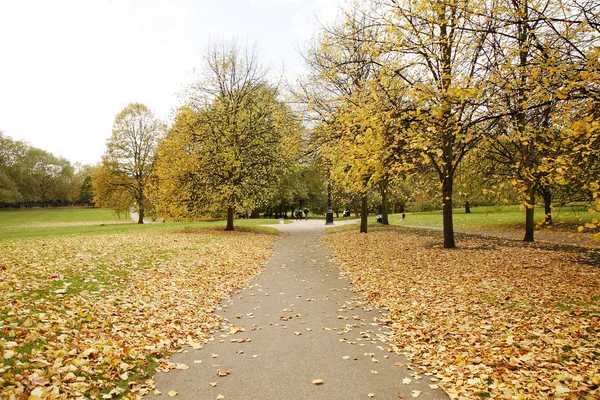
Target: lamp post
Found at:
329, 213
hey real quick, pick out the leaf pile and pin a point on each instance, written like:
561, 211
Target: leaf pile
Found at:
494, 318
92, 316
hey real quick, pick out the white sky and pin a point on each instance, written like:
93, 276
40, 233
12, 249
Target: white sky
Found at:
67, 67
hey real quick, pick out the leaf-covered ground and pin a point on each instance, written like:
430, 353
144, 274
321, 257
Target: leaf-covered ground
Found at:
91, 316
494, 318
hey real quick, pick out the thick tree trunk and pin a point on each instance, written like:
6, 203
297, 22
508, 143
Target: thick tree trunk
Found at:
384, 207
141, 212
529, 215
363, 215
229, 226
447, 217
467, 207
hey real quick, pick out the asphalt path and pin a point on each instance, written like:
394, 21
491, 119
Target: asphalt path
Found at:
295, 325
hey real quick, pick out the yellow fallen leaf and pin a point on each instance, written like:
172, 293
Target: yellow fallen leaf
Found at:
415, 393
318, 381
173, 393
213, 384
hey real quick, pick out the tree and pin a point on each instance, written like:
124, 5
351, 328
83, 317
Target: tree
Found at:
230, 145
129, 159
538, 73
86, 191
342, 67
438, 49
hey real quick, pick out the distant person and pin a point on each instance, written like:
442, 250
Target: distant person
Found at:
346, 213
306, 214
403, 215
379, 218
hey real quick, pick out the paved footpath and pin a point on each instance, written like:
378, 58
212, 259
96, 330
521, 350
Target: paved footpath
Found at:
300, 323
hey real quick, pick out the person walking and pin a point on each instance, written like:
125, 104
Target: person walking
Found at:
306, 213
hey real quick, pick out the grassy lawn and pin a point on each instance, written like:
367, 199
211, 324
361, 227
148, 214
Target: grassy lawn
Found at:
58, 215
507, 217
87, 310
33, 223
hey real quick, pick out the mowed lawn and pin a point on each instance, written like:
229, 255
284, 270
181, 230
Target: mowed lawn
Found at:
72, 221
90, 311
507, 217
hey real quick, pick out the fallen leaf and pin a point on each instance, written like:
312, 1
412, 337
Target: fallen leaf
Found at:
318, 381
173, 393
213, 384
223, 373
416, 393
371, 395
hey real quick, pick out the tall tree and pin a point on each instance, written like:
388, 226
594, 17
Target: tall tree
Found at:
129, 157
342, 66
235, 135
438, 49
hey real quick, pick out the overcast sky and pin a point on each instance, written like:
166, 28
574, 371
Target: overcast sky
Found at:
67, 67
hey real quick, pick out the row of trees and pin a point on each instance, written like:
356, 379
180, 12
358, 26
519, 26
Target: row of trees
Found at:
33, 177
403, 88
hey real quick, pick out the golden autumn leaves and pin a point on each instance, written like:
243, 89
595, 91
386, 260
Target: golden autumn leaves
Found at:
492, 319
88, 316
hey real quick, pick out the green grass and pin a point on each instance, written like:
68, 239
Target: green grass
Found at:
31, 216
50, 222
507, 217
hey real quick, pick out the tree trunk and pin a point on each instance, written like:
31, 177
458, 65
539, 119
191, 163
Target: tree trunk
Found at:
384, 207
547, 207
229, 226
363, 215
447, 211
529, 215
467, 207
141, 212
